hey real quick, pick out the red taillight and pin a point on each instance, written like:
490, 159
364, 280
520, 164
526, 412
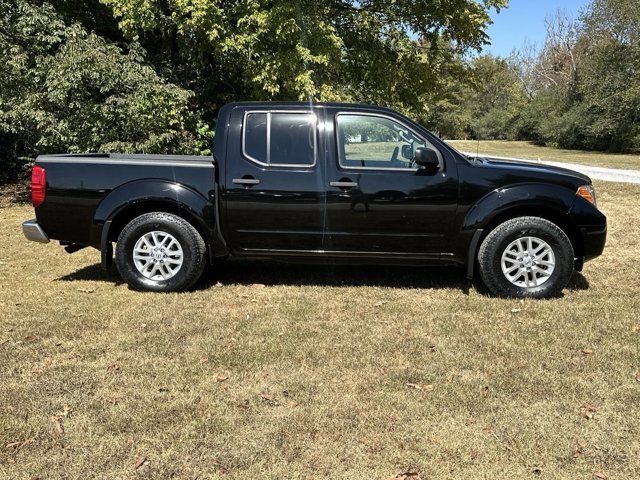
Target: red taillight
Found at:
38, 185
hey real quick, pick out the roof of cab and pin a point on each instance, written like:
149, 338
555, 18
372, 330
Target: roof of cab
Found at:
276, 104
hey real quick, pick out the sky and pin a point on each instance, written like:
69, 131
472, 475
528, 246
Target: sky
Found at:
523, 21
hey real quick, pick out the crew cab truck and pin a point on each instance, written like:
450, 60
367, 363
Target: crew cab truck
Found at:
320, 182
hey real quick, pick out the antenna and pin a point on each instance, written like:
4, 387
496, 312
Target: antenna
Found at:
478, 149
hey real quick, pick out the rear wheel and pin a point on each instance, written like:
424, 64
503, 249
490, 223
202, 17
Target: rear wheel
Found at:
160, 252
526, 257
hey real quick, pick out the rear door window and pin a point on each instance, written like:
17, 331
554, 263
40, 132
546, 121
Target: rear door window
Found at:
280, 139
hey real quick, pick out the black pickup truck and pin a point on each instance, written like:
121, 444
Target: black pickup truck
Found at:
320, 183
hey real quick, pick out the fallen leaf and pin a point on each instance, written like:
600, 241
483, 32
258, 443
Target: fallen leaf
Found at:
29, 338
266, 396
292, 404
139, 462
577, 452
221, 378
601, 475
587, 351
258, 285
64, 412
635, 328
587, 410
474, 455
19, 445
406, 476
113, 368
427, 387
516, 310
57, 425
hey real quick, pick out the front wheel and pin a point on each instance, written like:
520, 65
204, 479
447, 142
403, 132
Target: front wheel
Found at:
526, 257
160, 252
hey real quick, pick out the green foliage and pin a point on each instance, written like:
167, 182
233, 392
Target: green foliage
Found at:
63, 89
150, 76
598, 106
308, 50
126, 75
496, 99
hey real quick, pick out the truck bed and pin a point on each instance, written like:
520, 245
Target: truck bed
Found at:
82, 189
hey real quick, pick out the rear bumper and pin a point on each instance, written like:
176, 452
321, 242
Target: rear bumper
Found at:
34, 232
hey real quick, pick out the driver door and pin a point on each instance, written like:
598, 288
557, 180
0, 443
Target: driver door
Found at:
378, 201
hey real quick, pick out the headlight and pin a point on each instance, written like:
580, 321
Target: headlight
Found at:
588, 193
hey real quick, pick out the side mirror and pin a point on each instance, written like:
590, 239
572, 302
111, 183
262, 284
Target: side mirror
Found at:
426, 158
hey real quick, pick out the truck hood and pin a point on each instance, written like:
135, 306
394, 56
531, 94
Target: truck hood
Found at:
525, 169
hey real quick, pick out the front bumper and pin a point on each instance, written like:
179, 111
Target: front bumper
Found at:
593, 240
34, 232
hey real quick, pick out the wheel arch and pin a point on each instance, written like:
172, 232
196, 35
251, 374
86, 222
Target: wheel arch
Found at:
550, 202
137, 198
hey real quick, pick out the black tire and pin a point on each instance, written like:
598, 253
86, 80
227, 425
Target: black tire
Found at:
498, 240
191, 242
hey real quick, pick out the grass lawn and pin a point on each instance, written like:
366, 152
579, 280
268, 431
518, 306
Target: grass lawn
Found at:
271, 371
528, 150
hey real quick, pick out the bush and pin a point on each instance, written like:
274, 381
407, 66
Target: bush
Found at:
496, 124
63, 89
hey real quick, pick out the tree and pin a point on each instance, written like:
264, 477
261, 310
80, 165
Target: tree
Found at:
497, 98
608, 84
307, 50
63, 89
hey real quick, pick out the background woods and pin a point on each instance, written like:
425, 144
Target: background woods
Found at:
134, 75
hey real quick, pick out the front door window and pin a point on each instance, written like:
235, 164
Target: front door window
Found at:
373, 142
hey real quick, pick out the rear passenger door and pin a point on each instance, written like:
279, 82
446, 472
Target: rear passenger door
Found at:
274, 188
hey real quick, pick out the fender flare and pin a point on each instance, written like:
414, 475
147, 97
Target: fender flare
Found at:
524, 195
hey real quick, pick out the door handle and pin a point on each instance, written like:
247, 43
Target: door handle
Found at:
245, 181
344, 184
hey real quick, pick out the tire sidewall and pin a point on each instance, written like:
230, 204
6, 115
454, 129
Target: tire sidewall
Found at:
124, 255
562, 250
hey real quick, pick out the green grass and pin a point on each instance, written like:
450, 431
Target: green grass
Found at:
314, 374
528, 150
